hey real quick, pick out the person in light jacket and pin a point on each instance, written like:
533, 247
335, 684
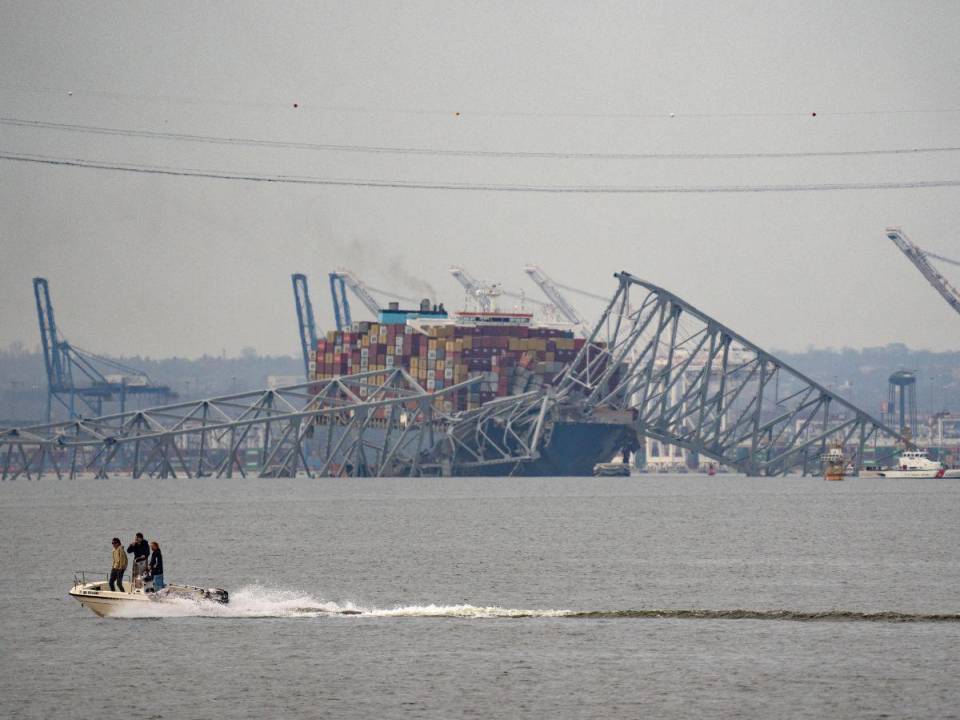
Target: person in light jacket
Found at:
119, 565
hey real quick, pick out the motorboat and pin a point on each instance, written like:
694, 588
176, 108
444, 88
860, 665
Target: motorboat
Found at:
951, 474
914, 464
98, 596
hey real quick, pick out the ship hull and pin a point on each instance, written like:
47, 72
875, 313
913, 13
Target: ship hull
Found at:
572, 451
910, 474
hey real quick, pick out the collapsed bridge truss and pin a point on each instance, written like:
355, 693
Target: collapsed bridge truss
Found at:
683, 378
373, 423
693, 382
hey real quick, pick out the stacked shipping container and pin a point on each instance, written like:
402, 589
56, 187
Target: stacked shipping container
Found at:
508, 360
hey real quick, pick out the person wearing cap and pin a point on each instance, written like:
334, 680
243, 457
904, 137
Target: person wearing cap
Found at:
119, 565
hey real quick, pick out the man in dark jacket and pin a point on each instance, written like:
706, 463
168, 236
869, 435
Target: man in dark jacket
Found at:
141, 552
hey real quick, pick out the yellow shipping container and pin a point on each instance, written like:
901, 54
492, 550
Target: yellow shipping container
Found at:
440, 364
328, 358
467, 342
331, 335
365, 341
550, 356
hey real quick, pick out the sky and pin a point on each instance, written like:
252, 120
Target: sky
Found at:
528, 95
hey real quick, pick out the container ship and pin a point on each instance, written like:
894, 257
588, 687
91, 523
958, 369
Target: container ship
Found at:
506, 353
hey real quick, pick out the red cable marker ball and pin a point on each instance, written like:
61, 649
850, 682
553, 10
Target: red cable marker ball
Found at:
813, 114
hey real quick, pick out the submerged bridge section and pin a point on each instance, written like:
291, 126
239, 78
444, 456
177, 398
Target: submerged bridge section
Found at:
660, 366
693, 382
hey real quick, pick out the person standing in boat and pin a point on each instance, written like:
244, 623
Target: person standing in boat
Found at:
156, 566
141, 553
119, 565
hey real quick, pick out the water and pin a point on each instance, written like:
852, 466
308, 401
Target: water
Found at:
519, 598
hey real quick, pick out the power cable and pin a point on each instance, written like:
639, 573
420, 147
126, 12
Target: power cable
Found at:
482, 187
941, 258
253, 142
306, 104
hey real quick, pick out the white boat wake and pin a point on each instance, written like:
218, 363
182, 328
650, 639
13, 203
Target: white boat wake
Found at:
261, 602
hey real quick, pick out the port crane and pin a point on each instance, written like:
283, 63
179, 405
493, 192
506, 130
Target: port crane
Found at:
485, 293
74, 374
920, 259
481, 292
342, 279
305, 322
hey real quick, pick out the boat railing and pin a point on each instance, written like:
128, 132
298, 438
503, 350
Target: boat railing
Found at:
80, 576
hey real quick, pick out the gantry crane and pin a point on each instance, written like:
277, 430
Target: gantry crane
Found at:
74, 374
920, 259
342, 279
306, 325
550, 289
485, 293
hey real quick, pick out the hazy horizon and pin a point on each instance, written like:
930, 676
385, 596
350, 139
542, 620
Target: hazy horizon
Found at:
164, 265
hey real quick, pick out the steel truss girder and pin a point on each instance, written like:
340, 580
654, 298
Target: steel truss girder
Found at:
693, 382
372, 423
685, 378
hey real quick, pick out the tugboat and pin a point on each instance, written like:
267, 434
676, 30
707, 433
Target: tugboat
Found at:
835, 463
914, 464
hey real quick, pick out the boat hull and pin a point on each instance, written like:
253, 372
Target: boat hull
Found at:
910, 474
574, 448
98, 597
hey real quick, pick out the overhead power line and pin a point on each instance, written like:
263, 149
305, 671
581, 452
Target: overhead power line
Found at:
481, 187
380, 149
941, 258
306, 104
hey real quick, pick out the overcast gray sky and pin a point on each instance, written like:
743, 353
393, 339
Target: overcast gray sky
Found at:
164, 265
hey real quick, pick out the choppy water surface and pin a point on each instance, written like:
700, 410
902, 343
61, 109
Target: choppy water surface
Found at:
663, 596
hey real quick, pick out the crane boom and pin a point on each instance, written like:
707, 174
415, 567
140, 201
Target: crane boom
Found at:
550, 289
473, 287
359, 289
919, 258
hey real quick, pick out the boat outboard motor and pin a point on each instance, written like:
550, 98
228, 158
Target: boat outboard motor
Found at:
217, 595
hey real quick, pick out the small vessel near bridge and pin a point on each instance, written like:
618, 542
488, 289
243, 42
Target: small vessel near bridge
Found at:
914, 464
